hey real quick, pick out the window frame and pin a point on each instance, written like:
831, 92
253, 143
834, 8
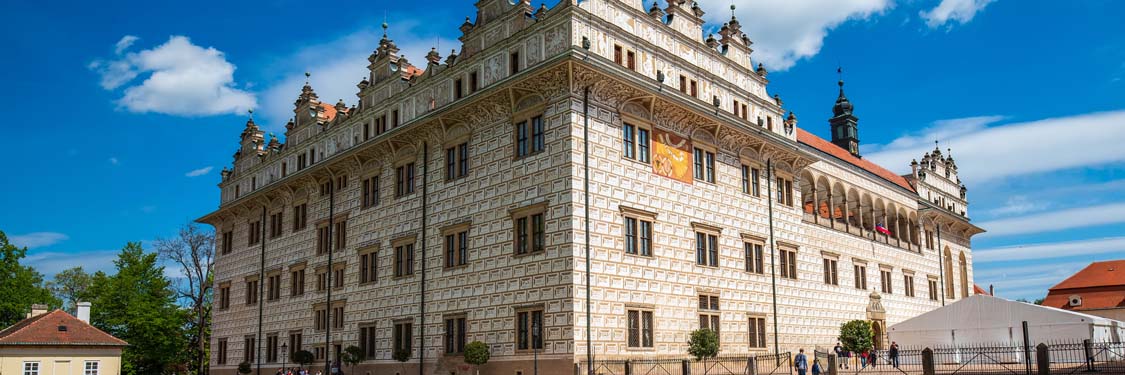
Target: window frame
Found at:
704, 160
27, 370
711, 313
859, 273
754, 253
530, 328
455, 245
759, 324
525, 238
751, 178
454, 335
252, 289
908, 283
406, 176
831, 270
645, 329
640, 218
404, 256
886, 279
708, 248
297, 280
524, 123
368, 263
633, 147
402, 335
370, 191
789, 262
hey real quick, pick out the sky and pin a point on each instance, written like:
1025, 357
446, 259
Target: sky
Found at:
147, 100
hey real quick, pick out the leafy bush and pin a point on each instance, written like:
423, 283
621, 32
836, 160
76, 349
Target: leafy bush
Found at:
244, 367
856, 336
704, 343
476, 353
401, 355
303, 357
352, 356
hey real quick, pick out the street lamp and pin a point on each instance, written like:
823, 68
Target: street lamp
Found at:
285, 357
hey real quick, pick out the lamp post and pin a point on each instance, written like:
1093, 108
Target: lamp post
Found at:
285, 357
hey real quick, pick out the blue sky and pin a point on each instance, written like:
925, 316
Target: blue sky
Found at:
128, 110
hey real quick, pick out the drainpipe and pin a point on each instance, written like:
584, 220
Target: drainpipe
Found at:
773, 253
586, 182
328, 279
261, 304
422, 302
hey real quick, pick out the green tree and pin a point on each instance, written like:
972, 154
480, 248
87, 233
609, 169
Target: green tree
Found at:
193, 250
704, 343
21, 286
138, 305
303, 358
70, 286
401, 355
856, 336
476, 354
352, 356
244, 367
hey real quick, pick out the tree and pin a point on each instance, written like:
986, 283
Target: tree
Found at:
352, 356
70, 286
704, 343
303, 358
401, 355
244, 367
138, 305
476, 354
21, 286
193, 250
856, 336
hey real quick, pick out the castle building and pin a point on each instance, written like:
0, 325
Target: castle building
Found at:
591, 180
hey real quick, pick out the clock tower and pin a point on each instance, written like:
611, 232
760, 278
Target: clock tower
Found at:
845, 130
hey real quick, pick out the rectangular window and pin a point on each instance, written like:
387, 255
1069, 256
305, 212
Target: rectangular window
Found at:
473, 82
273, 287
320, 318
683, 84
638, 236
709, 313
908, 285
744, 112
252, 290
31, 368
706, 249
750, 181
631, 60
457, 88
403, 336
735, 107
366, 131
404, 259
296, 341
322, 239
394, 118
220, 353
617, 54
635, 140
529, 136
628, 134
254, 233
830, 275
455, 335
271, 348
514, 62
860, 276
529, 329
224, 296
276, 227
370, 196
404, 179
368, 267
321, 279
457, 161
297, 281
704, 165
341, 234
694, 89
529, 230
757, 332
457, 247
338, 316
885, 277
248, 349
312, 155
341, 183
253, 183
320, 352
301, 161
338, 275
755, 262
300, 216
785, 191
932, 284
640, 328
788, 258
228, 242
368, 341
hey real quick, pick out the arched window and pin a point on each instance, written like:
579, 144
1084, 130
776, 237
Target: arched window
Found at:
964, 276
949, 274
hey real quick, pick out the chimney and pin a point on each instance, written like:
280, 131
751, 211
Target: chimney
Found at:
37, 310
84, 312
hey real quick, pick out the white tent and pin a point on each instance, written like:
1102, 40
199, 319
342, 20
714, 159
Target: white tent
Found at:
983, 319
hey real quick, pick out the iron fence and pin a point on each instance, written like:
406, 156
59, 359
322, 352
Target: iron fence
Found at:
1085, 356
725, 365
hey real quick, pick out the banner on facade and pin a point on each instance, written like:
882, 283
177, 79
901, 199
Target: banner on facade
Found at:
671, 156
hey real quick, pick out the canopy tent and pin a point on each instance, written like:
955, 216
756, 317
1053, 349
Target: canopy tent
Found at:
984, 319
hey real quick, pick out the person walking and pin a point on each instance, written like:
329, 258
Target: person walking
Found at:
894, 355
841, 356
862, 359
874, 357
801, 362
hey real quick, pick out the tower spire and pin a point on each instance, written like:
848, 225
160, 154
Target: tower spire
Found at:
845, 126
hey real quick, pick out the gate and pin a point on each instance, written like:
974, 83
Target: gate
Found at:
773, 364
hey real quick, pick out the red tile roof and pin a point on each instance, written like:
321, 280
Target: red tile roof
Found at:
978, 290
329, 112
1097, 274
1105, 299
44, 330
827, 147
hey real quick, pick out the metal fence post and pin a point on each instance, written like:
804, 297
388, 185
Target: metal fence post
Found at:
751, 366
628, 367
1043, 359
577, 369
1088, 350
832, 367
685, 365
928, 361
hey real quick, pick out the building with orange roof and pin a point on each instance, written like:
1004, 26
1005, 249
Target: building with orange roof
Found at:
57, 343
588, 180
1098, 289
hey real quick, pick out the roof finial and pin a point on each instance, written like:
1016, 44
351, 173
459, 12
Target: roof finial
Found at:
384, 23
251, 112
307, 75
732, 9
840, 75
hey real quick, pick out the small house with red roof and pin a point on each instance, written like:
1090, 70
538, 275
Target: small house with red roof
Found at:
57, 343
1098, 289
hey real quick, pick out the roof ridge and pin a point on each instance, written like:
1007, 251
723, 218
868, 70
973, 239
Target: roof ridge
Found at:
26, 322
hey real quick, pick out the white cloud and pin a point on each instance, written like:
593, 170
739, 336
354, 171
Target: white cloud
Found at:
785, 31
113, 160
1051, 250
183, 79
50, 263
1056, 220
998, 152
1019, 204
338, 65
199, 172
957, 11
37, 239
